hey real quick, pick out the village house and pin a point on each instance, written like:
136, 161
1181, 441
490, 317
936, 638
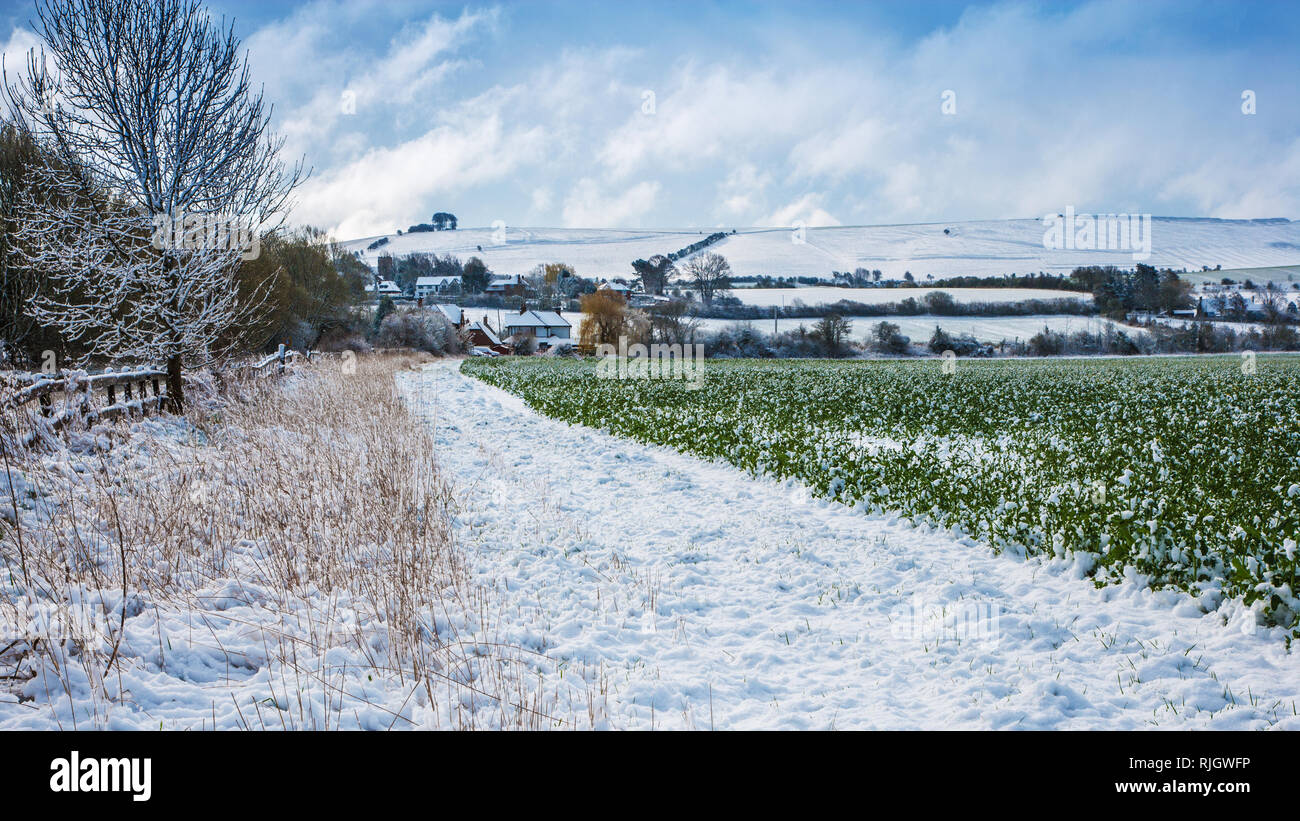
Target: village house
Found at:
482, 339
507, 286
549, 327
426, 287
383, 288
616, 287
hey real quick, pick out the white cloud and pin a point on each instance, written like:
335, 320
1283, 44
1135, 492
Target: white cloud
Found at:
588, 206
378, 192
21, 41
743, 192
806, 210
1050, 112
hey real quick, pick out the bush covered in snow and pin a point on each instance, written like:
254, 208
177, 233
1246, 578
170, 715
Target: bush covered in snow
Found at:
419, 329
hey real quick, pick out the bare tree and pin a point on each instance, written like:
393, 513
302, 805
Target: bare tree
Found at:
1273, 302
709, 273
671, 323
152, 104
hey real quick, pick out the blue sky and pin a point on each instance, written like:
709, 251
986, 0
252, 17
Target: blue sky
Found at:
538, 114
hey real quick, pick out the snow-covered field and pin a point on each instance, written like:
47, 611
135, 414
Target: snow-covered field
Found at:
919, 328
678, 593
816, 295
982, 248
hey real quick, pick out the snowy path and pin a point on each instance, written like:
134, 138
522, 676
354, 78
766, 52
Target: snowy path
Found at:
691, 595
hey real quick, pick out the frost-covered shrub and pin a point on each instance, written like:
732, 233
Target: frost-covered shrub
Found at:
963, 345
420, 329
740, 341
887, 338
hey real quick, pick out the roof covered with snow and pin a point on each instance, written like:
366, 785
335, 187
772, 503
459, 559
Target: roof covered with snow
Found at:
537, 319
436, 282
488, 332
452, 312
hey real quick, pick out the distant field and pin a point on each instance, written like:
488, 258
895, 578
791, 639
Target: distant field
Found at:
1186, 470
920, 328
977, 248
1284, 275
816, 295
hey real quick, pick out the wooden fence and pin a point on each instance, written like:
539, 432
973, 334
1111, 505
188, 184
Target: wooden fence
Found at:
36, 403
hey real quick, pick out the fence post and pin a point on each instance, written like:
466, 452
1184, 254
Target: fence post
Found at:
112, 389
281, 355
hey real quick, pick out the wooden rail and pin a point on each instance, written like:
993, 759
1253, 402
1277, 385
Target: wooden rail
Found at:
141, 390
100, 397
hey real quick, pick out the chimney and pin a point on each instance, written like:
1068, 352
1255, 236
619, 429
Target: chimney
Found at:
523, 308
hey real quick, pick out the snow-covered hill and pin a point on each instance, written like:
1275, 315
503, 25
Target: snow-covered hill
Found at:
981, 248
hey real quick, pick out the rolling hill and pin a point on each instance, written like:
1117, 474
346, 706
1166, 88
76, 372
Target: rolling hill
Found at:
968, 248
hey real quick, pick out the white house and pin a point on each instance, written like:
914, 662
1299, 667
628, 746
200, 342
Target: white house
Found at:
616, 287
541, 324
382, 288
427, 286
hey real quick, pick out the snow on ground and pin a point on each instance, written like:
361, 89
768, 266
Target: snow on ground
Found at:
920, 328
983, 248
687, 594
825, 295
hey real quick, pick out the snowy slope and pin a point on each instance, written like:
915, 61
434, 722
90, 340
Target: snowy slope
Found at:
985, 247
680, 593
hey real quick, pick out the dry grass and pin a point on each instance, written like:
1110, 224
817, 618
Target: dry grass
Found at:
281, 559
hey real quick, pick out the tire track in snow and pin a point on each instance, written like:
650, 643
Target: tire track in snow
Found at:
681, 593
